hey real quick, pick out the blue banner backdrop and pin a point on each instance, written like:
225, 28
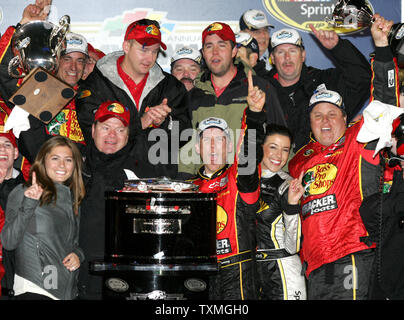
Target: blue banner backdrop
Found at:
103, 22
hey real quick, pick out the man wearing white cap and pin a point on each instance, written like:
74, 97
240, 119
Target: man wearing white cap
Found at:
296, 82
186, 65
72, 63
255, 23
341, 167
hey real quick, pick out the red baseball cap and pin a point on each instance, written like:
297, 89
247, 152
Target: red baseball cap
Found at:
110, 109
144, 34
8, 134
97, 52
223, 30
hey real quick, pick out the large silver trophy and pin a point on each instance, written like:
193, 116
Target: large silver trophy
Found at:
38, 44
359, 14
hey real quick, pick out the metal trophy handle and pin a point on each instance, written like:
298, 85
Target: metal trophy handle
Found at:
58, 35
38, 44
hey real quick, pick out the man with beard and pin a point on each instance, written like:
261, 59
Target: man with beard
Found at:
186, 65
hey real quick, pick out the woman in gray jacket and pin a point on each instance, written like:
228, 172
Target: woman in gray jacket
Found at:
42, 221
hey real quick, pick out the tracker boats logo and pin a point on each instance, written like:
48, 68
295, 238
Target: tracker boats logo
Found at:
300, 13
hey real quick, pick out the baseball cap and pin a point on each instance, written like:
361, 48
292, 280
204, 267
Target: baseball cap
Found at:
97, 52
145, 31
325, 95
221, 29
253, 20
213, 122
7, 134
244, 39
110, 109
286, 36
187, 53
75, 43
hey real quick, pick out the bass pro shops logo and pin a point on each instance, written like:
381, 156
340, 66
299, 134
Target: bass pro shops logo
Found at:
319, 179
300, 13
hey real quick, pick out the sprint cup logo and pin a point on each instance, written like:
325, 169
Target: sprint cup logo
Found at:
300, 13
319, 179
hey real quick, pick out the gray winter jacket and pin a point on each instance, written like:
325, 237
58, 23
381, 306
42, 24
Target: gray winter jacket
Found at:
42, 237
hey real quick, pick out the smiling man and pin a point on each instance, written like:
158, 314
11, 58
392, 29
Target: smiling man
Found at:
337, 172
155, 98
296, 82
221, 90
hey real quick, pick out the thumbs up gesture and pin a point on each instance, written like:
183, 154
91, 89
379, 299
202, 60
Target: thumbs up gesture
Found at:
35, 190
256, 97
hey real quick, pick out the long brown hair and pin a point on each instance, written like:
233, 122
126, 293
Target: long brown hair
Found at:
75, 182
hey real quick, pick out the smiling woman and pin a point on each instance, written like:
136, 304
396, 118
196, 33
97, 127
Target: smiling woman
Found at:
42, 224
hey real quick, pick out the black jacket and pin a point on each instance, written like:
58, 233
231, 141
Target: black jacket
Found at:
102, 172
351, 79
104, 84
383, 216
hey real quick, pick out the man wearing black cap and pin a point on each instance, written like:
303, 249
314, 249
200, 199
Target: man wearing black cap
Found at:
255, 23
295, 82
155, 98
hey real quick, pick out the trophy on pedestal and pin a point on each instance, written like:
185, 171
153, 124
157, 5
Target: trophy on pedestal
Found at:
358, 14
37, 46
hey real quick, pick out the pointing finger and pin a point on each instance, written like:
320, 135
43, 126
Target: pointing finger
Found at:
33, 178
250, 81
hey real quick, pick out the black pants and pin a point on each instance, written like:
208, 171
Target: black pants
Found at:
347, 278
31, 296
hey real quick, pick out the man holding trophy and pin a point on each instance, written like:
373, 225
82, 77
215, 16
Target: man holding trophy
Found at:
50, 112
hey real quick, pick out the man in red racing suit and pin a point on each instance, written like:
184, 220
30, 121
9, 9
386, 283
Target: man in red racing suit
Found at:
237, 188
338, 174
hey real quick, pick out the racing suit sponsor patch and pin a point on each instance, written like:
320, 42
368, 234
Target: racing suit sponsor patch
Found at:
223, 246
319, 205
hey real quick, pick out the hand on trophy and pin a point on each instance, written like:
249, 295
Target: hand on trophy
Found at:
328, 39
380, 30
38, 11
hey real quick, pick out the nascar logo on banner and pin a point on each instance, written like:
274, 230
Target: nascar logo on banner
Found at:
300, 13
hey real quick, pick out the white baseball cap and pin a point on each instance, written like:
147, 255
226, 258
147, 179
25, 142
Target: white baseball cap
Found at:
286, 36
75, 43
187, 53
254, 19
213, 122
246, 40
325, 95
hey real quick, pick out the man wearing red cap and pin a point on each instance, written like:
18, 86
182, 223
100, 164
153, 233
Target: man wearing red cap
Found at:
111, 158
155, 98
9, 178
221, 90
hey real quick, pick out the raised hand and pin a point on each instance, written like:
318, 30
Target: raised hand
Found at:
35, 190
156, 115
256, 97
327, 38
380, 30
296, 190
38, 11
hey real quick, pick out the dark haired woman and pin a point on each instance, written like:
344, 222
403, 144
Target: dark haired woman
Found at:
278, 228
42, 220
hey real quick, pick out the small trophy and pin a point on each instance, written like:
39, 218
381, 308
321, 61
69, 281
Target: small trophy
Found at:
359, 14
37, 46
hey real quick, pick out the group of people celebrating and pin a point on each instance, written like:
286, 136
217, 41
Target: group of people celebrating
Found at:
310, 197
